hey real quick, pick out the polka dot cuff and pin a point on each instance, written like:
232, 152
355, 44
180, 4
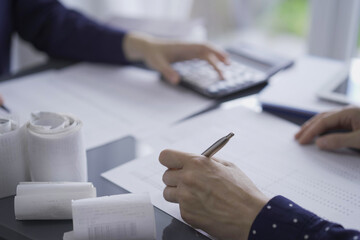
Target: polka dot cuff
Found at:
283, 219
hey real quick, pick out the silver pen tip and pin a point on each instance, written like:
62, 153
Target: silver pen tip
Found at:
230, 135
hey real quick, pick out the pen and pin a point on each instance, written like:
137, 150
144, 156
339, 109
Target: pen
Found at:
5, 108
217, 145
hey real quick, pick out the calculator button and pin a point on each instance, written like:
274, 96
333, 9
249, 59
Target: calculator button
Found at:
230, 84
213, 89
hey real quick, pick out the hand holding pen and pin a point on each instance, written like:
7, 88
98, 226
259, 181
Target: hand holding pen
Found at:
211, 192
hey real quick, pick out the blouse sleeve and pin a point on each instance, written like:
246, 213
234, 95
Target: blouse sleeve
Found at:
283, 219
67, 34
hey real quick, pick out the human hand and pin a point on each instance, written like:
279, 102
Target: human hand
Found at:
347, 119
159, 54
1, 100
213, 195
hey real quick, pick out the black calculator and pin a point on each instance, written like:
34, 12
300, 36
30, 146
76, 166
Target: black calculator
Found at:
250, 66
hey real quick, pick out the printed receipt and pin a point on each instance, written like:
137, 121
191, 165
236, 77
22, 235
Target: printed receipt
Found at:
117, 217
49, 200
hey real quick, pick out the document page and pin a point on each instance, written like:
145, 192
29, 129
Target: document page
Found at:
137, 98
111, 101
264, 147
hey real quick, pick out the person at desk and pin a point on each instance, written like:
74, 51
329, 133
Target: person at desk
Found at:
220, 199
66, 34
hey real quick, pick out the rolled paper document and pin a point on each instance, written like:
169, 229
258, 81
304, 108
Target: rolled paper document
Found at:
55, 148
49, 200
118, 217
5, 125
13, 167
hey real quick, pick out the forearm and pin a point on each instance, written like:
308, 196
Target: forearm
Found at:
67, 34
283, 219
136, 45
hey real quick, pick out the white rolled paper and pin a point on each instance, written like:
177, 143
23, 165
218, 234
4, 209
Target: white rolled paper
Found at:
13, 167
55, 148
117, 217
51, 201
5, 125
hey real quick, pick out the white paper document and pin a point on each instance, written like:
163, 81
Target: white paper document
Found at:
136, 98
117, 217
296, 88
49, 200
111, 101
264, 147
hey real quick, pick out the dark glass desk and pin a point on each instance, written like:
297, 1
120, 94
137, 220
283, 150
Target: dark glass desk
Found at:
100, 159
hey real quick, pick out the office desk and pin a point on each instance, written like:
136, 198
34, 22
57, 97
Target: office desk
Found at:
100, 160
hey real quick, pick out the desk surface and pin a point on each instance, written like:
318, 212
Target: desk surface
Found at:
100, 160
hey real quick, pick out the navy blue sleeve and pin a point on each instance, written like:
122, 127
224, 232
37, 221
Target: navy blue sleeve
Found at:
67, 34
283, 219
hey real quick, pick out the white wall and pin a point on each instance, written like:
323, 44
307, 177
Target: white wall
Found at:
334, 28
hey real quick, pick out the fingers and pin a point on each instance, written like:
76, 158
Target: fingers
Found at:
173, 159
171, 177
212, 56
201, 51
307, 124
222, 56
170, 194
223, 162
339, 140
317, 126
166, 70
213, 62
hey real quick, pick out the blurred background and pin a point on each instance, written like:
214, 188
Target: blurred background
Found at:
290, 27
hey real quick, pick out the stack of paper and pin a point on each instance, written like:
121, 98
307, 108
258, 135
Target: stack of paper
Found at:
263, 147
40, 201
117, 217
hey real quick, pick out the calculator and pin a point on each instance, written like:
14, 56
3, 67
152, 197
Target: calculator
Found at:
249, 67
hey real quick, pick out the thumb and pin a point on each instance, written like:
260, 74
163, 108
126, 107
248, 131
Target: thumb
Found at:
166, 70
339, 140
170, 74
